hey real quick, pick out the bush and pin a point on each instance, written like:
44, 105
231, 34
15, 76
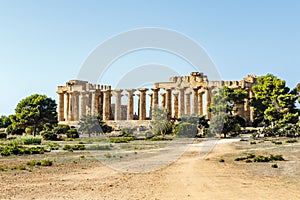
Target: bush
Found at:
126, 132
291, 141
3, 135
61, 129
221, 160
13, 149
99, 147
27, 140
75, 147
121, 140
49, 135
14, 131
186, 129
46, 163
72, 133
274, 165
276, 142
252, 142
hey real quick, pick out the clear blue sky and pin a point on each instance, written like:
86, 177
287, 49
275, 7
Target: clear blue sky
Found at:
44, 43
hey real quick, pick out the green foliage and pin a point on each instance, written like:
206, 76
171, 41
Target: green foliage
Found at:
186, 129
276, 142
27, 140
273, 102
4, 121
260, 158
291, 141
93, 124
160, 122
99, 147
274, 165
221, 160
3, 135
252, 142
49, 135
13, 149
12, 129
72, 133
61, 129
33, 163
126, 132
75, 147
121, 140
35, 110
46, 163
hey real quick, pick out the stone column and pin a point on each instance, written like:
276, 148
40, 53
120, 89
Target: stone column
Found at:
83, 104
142, 115
208, 99
61, 106
95, 102
163, 99
200, 103
188, 103
195, 100
130, 104
88, 103
155, 96
76, 106
68, 107
169, 100
175, 95
101, 103
151, 105
106, 104
181, 102
118, 105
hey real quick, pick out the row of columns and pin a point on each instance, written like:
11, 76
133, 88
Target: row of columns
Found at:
96, 101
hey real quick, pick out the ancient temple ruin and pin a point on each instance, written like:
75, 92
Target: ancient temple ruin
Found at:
181, 95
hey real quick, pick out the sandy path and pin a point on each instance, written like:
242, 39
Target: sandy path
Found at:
188, 178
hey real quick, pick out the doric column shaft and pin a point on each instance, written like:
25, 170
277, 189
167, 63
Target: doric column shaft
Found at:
163, 99
95, 102
61, 106
83, 104
195, 101
106, 105
188, 103
155, 96
181, 102
130, 104
75, 106
200, 103
169, 100
208, 100
118, 109
175, 95
142, 102
70, 107
151, 105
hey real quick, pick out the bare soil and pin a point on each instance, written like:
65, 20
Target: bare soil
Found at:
190, 177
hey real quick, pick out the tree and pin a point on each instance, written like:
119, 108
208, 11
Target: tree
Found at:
4, 121
223, 105
36, 111
273, 101
93, 124
160, 122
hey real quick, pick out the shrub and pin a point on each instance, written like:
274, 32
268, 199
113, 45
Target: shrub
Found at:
121, 140
186, 129
33, 163
291, 141
221, 160
98, 147
46, 163
72, 133
274, 165
49, 135
14, 131
252, 142
107, 155
27, 140
13, 149
276, 157
126, 132
61, 129
276, 142
3, 135
75, 147
261, 159
250, 155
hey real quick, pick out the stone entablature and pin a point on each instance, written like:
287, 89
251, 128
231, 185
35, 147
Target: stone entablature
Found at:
180, 95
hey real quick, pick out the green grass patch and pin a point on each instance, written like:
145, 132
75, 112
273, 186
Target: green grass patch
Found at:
291, 141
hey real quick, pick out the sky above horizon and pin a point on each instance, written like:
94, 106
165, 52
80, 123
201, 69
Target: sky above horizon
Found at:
45, 43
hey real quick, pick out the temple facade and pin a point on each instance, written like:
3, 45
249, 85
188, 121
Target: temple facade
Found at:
181, 95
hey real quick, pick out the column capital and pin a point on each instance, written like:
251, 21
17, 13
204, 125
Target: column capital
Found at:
155, 89
142, 90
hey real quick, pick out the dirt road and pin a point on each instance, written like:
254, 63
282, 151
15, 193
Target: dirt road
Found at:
188, 178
